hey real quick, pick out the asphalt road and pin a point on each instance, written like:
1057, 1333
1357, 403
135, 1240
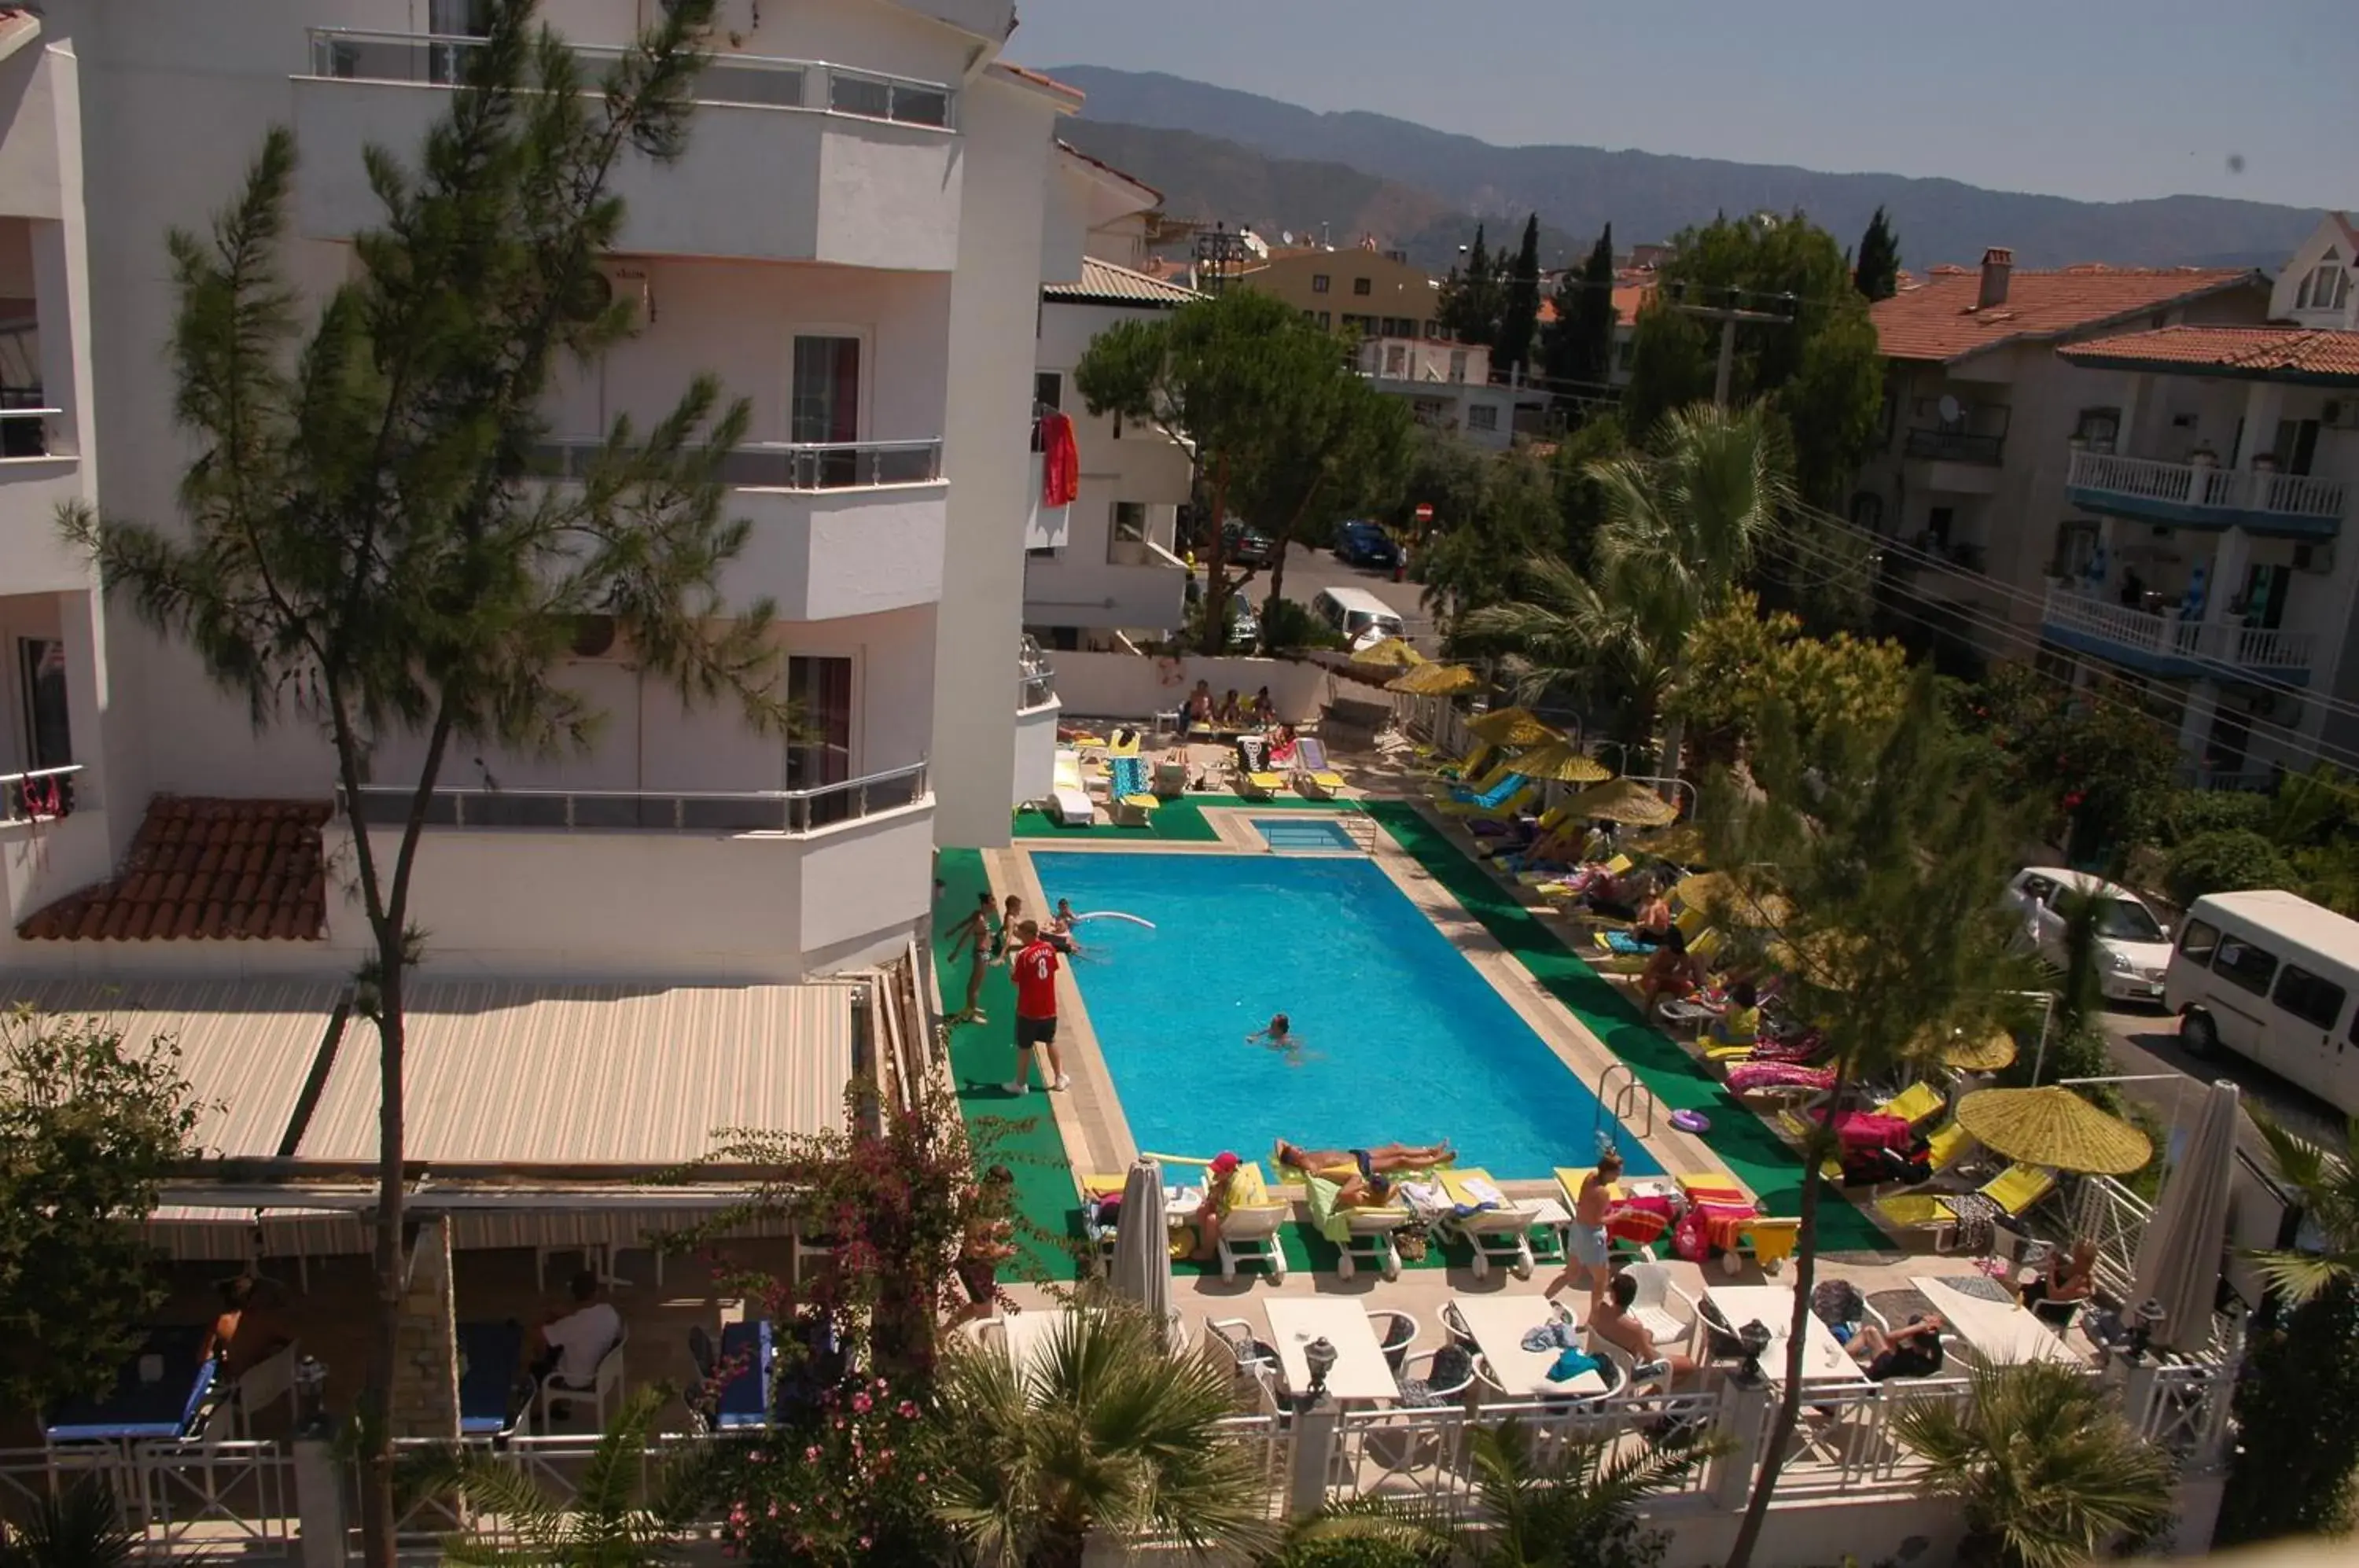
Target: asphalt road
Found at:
2145, 1041
1308, 571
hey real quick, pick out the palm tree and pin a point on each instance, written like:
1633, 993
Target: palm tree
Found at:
2327, 1183
2049, 1471
1683, 521
1103, 1432
78, 1527
1580, 1507
602, 1528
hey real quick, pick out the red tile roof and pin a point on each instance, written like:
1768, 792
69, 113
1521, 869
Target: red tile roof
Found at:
1938, 319
1038, 80
2255, 352
205, 867
1123, 175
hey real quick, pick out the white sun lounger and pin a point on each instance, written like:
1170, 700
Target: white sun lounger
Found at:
1069, 801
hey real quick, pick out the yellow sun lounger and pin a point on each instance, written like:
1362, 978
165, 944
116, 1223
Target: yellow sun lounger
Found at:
1514, 805
1321, 786
1917, 1103
1132, 811
1260, 785
1450, 789
2014, 1190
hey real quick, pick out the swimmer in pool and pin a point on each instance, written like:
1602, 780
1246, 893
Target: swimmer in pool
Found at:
1279, 1036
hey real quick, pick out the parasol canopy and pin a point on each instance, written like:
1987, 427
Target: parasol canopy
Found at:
1967, 1054
1434, 680
1557, 762
1625, 801
1390, 654
2055, 1127
1512, 726
1681, 844
1726, 899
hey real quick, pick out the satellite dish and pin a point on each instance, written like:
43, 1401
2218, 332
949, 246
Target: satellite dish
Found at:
1951, 412
1286, 236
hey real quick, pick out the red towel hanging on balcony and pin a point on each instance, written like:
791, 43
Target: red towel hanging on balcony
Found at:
1061, 467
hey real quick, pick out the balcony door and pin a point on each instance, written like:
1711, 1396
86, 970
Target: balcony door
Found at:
446, 62
824, 403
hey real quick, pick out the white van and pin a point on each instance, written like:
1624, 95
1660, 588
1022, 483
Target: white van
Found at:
2274, 977
1362, 618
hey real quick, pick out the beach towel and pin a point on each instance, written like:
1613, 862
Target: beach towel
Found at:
1571, 1364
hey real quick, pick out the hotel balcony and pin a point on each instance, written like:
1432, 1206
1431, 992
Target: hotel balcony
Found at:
788, 160
34, 481
722, 885
2167, 646
839, 528
2201, 496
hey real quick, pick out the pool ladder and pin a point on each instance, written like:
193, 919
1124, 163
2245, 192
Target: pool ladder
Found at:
1629, 1097
1363, 829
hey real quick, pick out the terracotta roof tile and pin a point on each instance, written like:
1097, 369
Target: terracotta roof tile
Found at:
1039, 79
200, 867
2255, 353
1938, 319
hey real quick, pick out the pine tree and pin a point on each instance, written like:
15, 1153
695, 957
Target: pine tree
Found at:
1520, 309
361, 548
1580, 343
1878, 271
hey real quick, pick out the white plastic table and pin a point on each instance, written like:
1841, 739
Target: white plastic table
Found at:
1360, 1371
1998, 1333
1824, 1360
1028, 1334
1498, 1324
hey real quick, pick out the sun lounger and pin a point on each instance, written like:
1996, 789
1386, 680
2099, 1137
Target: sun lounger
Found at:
1132, 811
1494, 1227
1365, 1234
1475, 763
1917, 1103
1259, 785
1514, 803
1476, 788
1068, 800
1312, 776
1171, 778
1249, 1230
2014, 1190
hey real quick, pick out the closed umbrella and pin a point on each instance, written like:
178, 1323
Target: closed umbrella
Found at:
1434, 680
2055, 1127
1625, 801
1390, 654
2178, 1257
1557, 762
1512, 726
1142, 1246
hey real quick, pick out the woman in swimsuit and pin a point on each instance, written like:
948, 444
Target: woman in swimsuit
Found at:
1382, 1160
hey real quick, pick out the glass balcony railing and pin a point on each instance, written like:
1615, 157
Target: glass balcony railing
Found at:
780, 465
594, 811
745, 81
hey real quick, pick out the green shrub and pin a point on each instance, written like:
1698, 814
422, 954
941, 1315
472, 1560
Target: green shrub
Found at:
1287, 625
1350, 1552
2224, 861
2184, 814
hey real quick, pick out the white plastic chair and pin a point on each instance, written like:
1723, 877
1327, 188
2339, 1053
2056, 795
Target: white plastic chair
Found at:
1396, 1332
266, 1383
608, 1381
1249, 1237
1667, 1314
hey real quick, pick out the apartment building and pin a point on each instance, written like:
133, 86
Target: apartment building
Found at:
1378, 294
1980, 413
852, 241
1447, 384
1102, 568
2214, 565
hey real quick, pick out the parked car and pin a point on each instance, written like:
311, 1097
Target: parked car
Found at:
2133, 947
1244, 546
1244, 626
1359, 543
2273, 977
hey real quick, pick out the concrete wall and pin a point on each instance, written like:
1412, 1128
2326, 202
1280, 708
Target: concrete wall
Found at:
1127, 686
1036, 750
994, 306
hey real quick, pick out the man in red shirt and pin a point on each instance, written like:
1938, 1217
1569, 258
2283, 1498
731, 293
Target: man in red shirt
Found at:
1035, 966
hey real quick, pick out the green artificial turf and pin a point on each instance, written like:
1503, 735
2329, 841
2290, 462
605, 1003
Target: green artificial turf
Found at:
1179, 821
1678, 1081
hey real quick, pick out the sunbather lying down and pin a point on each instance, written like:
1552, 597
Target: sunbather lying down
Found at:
1360, 1173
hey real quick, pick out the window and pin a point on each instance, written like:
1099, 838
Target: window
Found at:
2246, 966
2076, 546
1323, 325
1483, 416
1360, 286
454, 19
1127, 534
1938, 521
2098, 429
1319, 283
1048, 390
2326, 287
2197, 941
1396, 361
1399, 327
820, 690
41, 667
823, 407
1867, 511
2314, 1001
2295, 448
1457, 364
1626, 353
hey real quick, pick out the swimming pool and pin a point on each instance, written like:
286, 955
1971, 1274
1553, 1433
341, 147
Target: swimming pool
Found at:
1401, 1039
1303, 832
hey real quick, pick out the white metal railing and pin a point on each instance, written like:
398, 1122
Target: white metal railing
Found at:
780, 465
2115, 1218
749, 81
1425, 1453
204, 1496
2208, 486
39, 795
750, 811
25, 432
1846, 1441
2247, 647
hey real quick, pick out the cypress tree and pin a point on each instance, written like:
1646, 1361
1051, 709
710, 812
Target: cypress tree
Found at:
1520, 310
1877, 272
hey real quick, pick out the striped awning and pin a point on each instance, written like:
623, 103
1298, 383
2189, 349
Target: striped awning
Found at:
246, 1046
643, 1076
203, 1233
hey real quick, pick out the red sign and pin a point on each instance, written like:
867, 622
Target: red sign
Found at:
1424, 511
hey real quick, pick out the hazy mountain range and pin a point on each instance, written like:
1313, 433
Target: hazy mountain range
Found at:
1218, 152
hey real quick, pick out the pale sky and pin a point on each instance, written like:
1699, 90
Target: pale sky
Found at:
2101, 100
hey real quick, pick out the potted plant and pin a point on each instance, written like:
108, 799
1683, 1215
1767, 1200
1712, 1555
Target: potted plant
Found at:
2265, 463
2203, 457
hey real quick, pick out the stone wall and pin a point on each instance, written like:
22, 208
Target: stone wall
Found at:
426, 1363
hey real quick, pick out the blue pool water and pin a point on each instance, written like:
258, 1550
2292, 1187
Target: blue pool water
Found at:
1303, 832
1402, 1040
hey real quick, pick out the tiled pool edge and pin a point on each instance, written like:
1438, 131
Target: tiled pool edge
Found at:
1738, 1139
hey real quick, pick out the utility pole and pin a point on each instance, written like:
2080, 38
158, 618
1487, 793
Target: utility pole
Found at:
1727, 313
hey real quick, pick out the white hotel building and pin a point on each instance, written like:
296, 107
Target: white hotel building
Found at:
853, 241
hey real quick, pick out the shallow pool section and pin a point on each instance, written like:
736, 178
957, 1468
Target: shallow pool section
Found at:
1297, 833
1401, 1040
